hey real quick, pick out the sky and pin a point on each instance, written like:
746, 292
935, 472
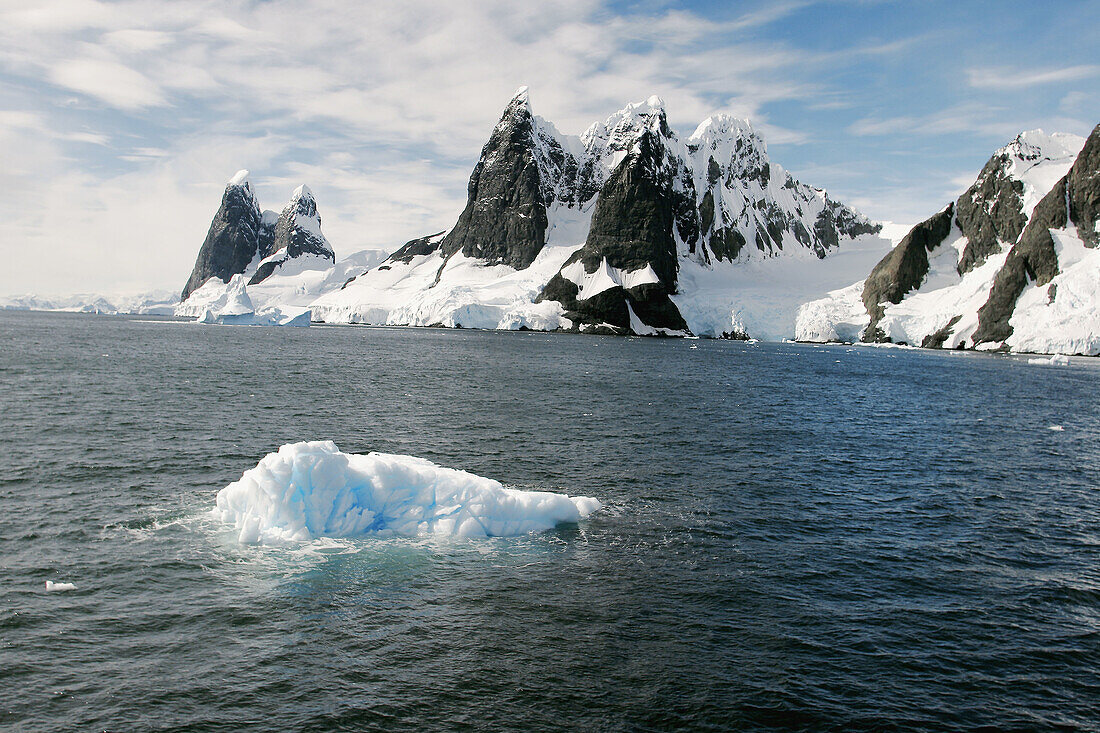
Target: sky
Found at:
120, 122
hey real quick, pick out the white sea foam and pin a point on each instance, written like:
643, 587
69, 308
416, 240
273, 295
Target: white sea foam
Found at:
312, 489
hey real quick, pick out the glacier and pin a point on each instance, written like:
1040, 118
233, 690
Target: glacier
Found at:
233, 307
311, 489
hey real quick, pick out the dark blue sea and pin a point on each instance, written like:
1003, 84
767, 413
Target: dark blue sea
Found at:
793, 537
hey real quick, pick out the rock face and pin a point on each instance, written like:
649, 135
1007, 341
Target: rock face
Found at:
242, 240
903, 269
233, 239
594, 232
1075, 200
504, 221
296, 233
992, 210
633, 228
1011, 265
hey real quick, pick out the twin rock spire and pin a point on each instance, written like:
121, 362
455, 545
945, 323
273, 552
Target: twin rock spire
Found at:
242, 238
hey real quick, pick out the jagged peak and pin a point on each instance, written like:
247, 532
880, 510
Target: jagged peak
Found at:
301, 192
652, 108
722, 126
1035, 144
521, 96
620, 131
240, 178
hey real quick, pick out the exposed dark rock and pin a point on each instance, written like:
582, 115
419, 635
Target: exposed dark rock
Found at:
1076, 199
632, 228
726, 243
232, 240
706, 212
297, 233
1032, 259
634, 216
990, 212
714, 171
937, 339
416, 248
650, 303
1083, 185
265, 245
505, 216
903, 269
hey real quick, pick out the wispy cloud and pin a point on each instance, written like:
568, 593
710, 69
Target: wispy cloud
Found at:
1008, 78
117, 115
108, 81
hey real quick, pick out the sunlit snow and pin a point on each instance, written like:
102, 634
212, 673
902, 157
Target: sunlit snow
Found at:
311, 489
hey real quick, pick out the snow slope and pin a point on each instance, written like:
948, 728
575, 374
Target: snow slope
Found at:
234, 308
432, 289
943, 309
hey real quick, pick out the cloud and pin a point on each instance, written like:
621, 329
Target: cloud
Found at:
108, 81
122, 120
1007, 78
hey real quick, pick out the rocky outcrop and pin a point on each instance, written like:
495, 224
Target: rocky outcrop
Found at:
297, 233
1034, 259
662, 200
233, 239
991, 211
903, 269
1005, 267
504, 221
639, 208
417, 248
244, 241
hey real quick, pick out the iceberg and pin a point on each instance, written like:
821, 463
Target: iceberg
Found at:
1056, 360
234, 308
311, 489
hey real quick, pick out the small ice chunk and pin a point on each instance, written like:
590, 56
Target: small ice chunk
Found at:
1056, 360
52, 586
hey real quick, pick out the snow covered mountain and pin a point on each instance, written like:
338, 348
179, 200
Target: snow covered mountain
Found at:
1012, 264
157, 302
623, 229
285, 257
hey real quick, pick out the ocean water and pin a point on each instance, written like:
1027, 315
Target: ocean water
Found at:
794, 537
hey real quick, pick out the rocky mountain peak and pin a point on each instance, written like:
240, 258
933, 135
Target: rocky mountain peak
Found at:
303, 204
992, 213
620, 132
517, 176
297, 233
233, 238
1034, 145
728, 147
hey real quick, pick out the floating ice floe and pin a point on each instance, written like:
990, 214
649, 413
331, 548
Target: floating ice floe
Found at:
52, 586
311, 489
1056, 360
234, 308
